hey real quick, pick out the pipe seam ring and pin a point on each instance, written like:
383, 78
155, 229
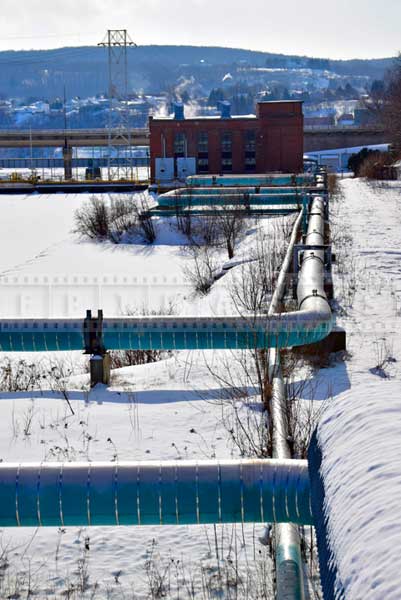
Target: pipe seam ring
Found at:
313, 256
314, 296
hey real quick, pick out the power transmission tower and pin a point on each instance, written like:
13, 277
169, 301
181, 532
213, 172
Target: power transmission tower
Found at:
119, 132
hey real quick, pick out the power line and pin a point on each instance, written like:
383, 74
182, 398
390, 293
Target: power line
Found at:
45, 36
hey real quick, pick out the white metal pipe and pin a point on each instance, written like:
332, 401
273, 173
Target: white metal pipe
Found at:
311, 295
285, 268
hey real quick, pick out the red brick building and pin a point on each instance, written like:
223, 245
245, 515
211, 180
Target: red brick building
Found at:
271, 141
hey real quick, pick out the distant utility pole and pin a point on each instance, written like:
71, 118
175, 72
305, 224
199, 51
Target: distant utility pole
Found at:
119, 132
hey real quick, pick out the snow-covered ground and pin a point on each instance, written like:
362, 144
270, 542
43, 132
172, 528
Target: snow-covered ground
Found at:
172, 409
168, 410
45, 270
360, 428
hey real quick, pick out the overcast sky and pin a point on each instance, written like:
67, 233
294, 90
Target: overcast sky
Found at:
334, 29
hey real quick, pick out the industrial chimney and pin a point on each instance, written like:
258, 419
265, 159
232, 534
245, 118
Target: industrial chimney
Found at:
225, 108
178, 111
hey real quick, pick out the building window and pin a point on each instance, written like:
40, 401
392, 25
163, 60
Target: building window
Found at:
203, 153
250, 164
250, 141
203, 165
226, 152
226, 165
203, 143
180, 145
250, 151
226, 144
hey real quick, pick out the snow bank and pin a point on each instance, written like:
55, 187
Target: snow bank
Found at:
359, 434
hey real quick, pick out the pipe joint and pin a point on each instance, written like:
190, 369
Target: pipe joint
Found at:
314, 294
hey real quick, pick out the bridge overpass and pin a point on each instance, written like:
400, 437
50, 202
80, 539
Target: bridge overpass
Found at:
74, 138
314, 139
334, 138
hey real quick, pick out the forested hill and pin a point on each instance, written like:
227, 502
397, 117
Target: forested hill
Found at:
151, 68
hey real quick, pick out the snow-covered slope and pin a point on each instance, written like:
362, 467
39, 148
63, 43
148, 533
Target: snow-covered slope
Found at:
172, 409
359, 433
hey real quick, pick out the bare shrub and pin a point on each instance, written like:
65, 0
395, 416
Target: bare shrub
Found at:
158, 576
249, 369
20, 376
302, 416
208, 234
392, 105
231, 224
310, 557
305, 393
202, 269
183, 213
225, 571
384, 357
222, 229
248, 429
251, 289
92, 220
122, 217
103, 219
350, 270
244, 399
332, 184
130, 358
184, 222
145, 223
205, 231
373, 166
56, 374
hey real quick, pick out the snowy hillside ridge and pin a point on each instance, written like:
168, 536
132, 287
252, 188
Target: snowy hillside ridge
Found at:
359, 430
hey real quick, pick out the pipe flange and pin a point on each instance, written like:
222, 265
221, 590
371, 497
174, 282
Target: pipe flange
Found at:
311, 256
314, 296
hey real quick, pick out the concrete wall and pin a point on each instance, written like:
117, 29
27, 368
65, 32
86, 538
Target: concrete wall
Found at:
331, 139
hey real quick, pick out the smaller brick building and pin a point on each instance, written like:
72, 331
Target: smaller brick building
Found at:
271, 141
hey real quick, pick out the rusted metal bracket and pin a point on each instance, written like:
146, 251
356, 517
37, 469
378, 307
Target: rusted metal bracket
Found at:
93, 334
